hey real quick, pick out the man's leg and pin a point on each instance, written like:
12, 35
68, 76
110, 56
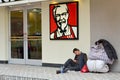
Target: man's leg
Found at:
69, 63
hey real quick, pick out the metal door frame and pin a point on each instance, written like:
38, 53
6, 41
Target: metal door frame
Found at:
25, 40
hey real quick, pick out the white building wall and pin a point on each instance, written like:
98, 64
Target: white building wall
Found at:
97, 19
53, 51
105, 24
58, 51
3, 33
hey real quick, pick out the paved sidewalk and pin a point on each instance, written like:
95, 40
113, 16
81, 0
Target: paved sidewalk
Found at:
50, 73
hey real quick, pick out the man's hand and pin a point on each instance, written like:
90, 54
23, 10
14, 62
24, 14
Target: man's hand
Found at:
75, 61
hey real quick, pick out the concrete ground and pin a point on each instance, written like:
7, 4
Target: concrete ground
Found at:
49, 73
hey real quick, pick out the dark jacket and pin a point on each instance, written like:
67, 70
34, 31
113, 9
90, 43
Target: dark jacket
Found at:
82, 59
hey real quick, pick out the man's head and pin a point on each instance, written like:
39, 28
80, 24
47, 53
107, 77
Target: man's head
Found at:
76, 51
60, 13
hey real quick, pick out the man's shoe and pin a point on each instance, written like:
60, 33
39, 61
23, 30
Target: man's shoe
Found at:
58, 72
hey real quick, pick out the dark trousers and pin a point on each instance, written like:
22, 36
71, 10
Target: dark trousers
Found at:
71, 65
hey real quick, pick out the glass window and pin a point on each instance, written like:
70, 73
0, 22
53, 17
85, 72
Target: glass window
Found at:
17, 34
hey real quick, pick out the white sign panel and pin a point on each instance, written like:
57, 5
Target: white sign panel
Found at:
6, 1
17, 2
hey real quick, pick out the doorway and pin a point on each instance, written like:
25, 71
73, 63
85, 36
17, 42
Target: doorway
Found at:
25, 35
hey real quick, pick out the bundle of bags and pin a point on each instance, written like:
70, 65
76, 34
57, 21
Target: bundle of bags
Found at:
101, 56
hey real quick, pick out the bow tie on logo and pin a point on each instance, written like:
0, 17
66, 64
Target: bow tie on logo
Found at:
63, 31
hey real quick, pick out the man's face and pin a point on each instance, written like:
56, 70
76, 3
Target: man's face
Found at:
61, 16
77, 52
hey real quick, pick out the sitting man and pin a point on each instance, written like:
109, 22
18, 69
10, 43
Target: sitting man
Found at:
76, 64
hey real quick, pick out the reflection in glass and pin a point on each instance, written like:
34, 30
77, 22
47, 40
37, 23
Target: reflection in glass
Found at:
17, 34
34, 49
17, 49
34, 34
34, 22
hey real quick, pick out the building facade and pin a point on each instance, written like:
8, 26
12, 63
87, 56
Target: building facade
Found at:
25, 28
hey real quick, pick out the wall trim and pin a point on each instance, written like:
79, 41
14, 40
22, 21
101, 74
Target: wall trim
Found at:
51, 65
3, 62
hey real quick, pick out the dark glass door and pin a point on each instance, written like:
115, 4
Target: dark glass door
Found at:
17, 43
25, 36
34, 34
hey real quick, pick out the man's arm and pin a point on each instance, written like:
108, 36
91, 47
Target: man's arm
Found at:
79, 64
75, 59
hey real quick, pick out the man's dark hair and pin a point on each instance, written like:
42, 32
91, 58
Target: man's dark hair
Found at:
75, 49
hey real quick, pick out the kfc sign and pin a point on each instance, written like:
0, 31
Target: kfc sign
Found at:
5, 1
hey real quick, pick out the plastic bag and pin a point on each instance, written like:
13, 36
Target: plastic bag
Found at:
84, 69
